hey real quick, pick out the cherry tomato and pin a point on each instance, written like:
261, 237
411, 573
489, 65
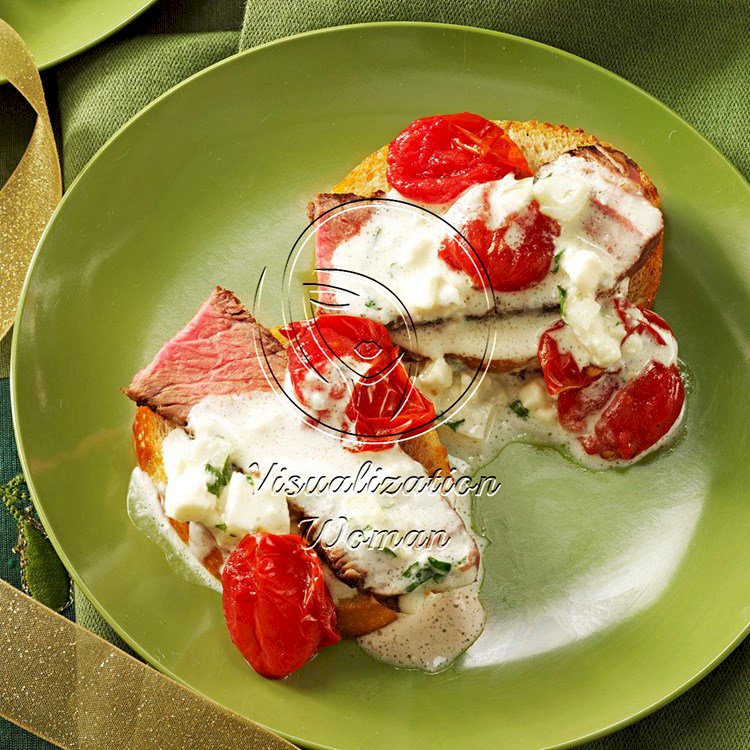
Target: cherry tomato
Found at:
615, 419
560, 369
277, 606
515, 256
576, 405
638, 321
436, 158
390, 408
335, 358
640, 414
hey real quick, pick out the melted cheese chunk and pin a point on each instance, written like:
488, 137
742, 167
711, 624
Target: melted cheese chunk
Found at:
592, 335
605, 224
266, 444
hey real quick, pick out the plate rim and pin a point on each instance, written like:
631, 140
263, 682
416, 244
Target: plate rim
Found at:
743, 183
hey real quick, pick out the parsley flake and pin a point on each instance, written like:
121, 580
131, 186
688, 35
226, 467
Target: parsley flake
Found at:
220, 477
517, 407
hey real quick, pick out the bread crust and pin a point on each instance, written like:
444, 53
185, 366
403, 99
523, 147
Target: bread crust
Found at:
356, 616
359, 615
540, 142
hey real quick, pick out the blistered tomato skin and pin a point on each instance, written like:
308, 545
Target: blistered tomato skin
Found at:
345, 357
576, 405
633, 317
509, 266
640, 414
277, 607
560, 369
615, 418
436, 158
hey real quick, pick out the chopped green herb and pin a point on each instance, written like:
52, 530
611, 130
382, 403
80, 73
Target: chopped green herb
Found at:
388, 551
434, 570
370, 303
221, 477
563, 296
415, 584
455, 425
221, 526
440, 565
407, 573
556, 262
250, 480
517, 407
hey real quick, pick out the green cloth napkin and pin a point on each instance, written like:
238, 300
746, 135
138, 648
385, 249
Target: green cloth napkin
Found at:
693, 55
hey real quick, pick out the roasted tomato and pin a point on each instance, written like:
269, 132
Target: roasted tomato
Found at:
639, 321
638, 416
576, 405
277, 606
617, 418
337, 360
436, 158
560, 369
515, 256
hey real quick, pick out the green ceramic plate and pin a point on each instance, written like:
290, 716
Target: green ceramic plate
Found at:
55, 30
608, 593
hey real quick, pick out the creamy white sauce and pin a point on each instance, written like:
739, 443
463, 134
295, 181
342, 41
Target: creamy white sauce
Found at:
434, 636
262, 435
433, 629
511, 337
255, 430
514, 408
398, 246
582, 195
604, 223
146, 512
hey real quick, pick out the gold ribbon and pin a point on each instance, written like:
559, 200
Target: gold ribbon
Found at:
57, 680
35, 187
74, 689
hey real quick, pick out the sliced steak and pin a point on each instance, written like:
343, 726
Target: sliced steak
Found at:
341, 225
333, 229
384, 573
621, 217
222, 350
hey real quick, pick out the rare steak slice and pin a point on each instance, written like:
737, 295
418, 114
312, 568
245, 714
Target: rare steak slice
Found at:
222, 350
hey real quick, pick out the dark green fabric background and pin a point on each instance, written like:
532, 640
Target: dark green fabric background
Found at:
694, 56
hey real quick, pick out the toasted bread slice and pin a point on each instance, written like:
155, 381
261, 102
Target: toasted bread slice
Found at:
540, 143
358, 615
